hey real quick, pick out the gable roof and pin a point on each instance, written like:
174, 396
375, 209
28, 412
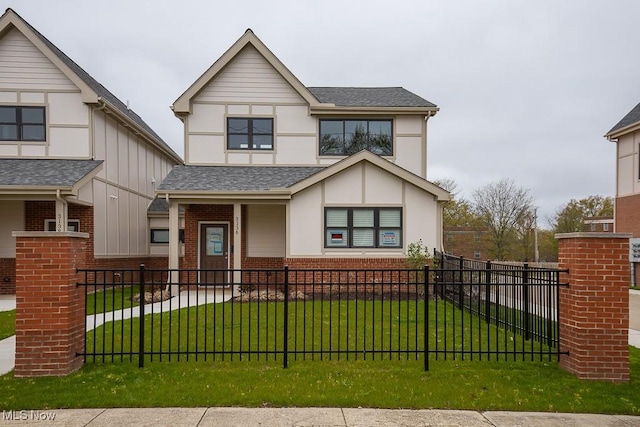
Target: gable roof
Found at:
182, 105
321, 100
92, 91
46, 175
627, 124
367, 156
273, 182
369, 97
222, 179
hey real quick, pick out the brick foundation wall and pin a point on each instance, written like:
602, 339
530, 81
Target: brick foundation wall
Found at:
7, 276
49, 306
594, 308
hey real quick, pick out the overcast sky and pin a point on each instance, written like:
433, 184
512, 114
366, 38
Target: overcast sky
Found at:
526, 89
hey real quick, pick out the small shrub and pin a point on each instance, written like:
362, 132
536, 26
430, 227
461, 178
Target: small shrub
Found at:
418, 255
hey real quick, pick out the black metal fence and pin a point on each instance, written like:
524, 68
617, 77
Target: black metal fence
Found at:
286, 314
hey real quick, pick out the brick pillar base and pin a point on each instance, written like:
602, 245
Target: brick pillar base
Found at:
49, 305
594, 308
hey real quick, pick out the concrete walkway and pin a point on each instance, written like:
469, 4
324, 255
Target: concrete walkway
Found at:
229, 417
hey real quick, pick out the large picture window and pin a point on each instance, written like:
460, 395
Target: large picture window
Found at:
345, 137
249, 134
22, 123
363, 227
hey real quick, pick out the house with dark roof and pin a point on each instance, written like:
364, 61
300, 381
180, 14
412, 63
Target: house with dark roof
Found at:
280, 173
73, 157
626, 135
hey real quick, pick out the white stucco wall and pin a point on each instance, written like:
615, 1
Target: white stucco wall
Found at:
12, 220
363, 184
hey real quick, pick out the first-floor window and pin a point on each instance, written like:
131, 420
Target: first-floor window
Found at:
363, 227
72, 225
161, 235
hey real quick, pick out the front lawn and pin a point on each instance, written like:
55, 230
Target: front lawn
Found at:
477, 385
115, 298
262, 381
7, 324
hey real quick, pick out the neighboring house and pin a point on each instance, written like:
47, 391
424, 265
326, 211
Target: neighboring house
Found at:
626, 134
468, 242
72, 156
312, 177
598, 224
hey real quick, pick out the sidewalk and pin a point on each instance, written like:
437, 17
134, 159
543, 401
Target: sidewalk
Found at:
229, 417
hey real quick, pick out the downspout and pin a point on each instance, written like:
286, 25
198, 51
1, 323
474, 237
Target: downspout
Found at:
61, 212
92, 131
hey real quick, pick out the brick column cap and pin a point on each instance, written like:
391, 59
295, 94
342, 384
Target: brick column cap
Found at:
593, 235
50, 234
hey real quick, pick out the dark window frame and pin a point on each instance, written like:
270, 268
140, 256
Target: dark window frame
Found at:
20, 124
153, 239
376, 228
50, 225
347, 151
250, 134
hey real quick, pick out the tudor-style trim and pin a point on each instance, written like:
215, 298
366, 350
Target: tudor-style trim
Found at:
384, 164
10, 20
182, 105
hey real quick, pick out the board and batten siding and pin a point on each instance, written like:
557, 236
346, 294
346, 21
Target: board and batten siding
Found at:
361, 185
628, 153
124, 188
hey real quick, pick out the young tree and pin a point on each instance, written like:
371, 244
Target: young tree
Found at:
570, 217
500, 206
457, 212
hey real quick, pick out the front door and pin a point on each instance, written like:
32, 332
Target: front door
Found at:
213, 253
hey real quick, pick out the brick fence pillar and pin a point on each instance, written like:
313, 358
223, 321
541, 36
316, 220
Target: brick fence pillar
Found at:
594, 308
49, 306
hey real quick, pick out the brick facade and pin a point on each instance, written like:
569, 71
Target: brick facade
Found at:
628, 221
37, 212
7, 276
49, 306
468, 242
594, 308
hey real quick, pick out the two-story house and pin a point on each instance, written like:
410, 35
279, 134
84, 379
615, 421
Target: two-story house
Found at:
626, 135
279, 173
72, 155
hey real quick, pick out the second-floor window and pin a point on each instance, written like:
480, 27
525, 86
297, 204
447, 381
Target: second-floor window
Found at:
345, 137
249, 134
22, 123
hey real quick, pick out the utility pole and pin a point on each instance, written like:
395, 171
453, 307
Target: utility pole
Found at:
535, 235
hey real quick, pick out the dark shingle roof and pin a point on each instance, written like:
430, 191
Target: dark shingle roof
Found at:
40, 173
161, 205
632, 117
234, 178
369, 97
99, 89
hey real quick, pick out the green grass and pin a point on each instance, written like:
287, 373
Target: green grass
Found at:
110, 299
346, 326
7, 324
389, 383
518, 386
